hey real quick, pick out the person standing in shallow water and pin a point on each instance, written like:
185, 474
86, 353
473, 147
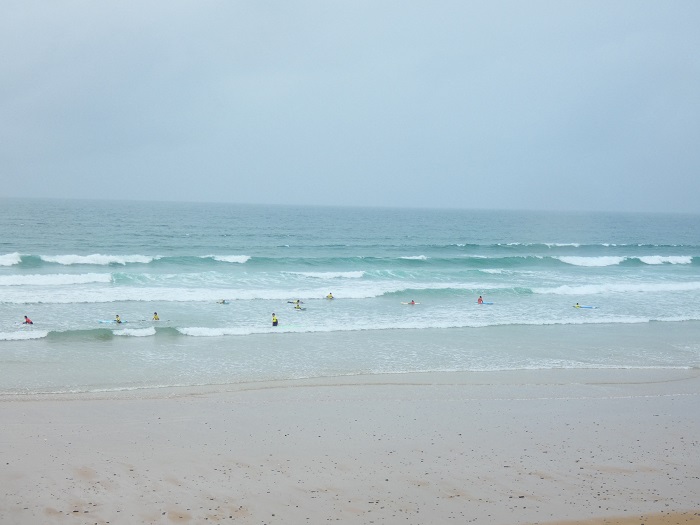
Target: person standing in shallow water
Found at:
274, 319
27, 320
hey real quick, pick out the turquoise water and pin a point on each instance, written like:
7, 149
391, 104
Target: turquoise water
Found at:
70, 264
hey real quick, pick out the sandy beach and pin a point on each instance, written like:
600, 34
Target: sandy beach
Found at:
604, 446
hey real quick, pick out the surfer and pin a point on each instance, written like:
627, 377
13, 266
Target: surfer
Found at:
412, 302
577, 305
222, 301
296, 302
480, 300
297, 306
155, 316
27, 320
274, 319
118, 319
329, 296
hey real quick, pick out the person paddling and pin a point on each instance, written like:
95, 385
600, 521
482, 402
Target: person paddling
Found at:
27, 320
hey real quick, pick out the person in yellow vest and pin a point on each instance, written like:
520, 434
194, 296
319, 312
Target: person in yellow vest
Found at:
329, 296
155, 316
274, 319
118, 319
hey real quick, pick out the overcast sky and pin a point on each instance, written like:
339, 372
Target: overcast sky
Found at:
584, 105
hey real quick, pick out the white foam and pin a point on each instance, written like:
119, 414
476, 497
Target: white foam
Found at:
331, 275
240, 259
592, 289
562, 244
415, 258
592, 261
54, 279
97, 259
671, 259
20, 336
342, 289
135, 332
201, 331
10, 259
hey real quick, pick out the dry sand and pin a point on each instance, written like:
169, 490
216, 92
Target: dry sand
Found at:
494, 448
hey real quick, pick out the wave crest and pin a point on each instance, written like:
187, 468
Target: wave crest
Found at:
23, 336
591, 261
10, 259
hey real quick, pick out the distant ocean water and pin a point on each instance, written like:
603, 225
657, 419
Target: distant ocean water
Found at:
70, 264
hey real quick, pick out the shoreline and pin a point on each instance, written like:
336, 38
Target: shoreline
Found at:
467, 378
516, 447
36, 367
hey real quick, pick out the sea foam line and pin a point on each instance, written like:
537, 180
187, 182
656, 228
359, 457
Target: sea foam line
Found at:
54, 279
135, 332
331, 275
240, 259
615, 260
592, 289
97, 259
671, 259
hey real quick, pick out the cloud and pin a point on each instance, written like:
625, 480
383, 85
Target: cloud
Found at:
505, 105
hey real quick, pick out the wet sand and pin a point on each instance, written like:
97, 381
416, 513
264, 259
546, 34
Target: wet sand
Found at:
561, 446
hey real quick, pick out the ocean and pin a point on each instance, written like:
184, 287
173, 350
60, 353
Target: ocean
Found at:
72, 266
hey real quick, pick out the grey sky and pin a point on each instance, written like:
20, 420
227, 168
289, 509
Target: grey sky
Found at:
521, 105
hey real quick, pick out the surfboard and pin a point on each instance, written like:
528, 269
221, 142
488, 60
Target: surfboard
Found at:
410, 303
582, 306
110, 321
484, 302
